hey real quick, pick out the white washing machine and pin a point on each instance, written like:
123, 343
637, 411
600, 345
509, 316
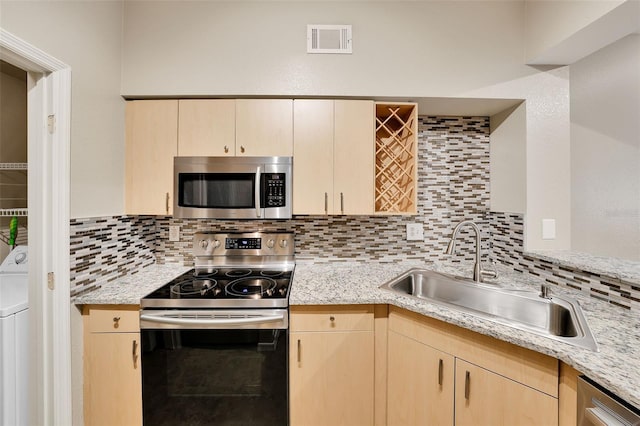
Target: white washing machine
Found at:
14, 339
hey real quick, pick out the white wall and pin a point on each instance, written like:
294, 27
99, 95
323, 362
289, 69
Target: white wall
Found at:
550, 23
87, 36
508, 168
424, 48
605, 151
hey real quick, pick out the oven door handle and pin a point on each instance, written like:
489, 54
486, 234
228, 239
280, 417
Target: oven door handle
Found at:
159, 318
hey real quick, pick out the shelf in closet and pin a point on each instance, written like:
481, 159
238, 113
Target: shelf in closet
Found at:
22, 212
14, 212
13, 166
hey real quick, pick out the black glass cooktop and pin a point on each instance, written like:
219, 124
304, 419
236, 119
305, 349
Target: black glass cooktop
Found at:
226, 283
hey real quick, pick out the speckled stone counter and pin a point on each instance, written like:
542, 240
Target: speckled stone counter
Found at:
130, 289
617, 331
610, 266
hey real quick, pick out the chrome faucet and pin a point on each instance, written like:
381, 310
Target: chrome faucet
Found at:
478, 272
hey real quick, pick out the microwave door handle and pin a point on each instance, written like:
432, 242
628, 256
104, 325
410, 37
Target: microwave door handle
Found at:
257, 193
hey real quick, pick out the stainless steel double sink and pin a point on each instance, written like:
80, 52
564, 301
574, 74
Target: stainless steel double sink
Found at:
554, 317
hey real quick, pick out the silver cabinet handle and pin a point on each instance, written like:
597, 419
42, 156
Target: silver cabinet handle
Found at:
299, 350
341, 203
167, 203
135, 354
257, 193
326, 203
440, 372
467, 385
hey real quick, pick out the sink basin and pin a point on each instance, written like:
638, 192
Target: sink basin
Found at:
556, 318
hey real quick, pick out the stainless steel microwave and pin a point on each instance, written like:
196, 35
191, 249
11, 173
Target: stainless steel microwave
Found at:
232, 187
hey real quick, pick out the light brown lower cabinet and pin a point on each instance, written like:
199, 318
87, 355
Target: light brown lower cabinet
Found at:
440, 374
487, 398
112, 371
419, 383
331, 366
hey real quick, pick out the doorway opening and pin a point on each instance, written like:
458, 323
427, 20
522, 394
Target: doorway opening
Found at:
48, 99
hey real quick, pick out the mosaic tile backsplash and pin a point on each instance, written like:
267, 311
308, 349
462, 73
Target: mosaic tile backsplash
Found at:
453, 185
103, 249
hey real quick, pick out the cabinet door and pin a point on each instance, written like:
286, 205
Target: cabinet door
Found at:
420, 383
486, 398
113, 383
353, 164
313, 157
151, 144
264, 127
206, 127
331, 378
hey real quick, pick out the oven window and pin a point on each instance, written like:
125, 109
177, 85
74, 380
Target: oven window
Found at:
216, 190
220, 377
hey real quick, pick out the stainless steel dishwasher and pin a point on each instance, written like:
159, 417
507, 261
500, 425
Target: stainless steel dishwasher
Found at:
598, 407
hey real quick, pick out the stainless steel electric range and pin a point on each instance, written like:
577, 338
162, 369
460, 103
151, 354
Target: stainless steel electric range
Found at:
215, 339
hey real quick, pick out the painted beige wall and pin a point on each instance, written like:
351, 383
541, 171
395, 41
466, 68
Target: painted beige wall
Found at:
87, 36
549, 23
605, 151
508, 168
407, 49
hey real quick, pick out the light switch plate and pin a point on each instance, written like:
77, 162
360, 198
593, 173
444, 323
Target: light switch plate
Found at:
415, 232
174, 233
548, 229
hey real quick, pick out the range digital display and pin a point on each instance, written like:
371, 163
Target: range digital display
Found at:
243, 243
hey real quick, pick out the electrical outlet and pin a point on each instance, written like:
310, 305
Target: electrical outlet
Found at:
415, 232
174, 233
548, 229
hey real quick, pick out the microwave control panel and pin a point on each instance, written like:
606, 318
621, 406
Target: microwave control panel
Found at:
274, 189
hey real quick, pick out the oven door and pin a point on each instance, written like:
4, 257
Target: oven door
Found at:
218, 373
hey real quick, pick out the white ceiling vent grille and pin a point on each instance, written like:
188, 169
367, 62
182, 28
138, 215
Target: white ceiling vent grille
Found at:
329, 39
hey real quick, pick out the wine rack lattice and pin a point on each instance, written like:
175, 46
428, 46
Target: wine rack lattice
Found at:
396, 158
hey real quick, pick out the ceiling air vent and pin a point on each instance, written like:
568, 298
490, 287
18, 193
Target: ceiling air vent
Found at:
329, 39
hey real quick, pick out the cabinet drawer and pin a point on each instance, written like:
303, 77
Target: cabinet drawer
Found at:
333, 318
105, 320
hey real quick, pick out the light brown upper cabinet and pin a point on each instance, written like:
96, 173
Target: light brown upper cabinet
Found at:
151, 144
396, 150
207, 127
333, 157
264, 127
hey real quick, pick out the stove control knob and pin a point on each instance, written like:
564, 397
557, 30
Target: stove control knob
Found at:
204, 244
271, 243
283, 243
215, 243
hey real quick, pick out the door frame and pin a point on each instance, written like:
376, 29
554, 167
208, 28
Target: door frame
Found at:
48, 144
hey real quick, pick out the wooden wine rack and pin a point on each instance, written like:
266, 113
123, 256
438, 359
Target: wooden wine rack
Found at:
396, 158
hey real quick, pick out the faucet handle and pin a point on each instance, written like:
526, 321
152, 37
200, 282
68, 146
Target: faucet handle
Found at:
490, 273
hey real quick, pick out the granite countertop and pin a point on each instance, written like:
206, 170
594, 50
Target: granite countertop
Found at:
628, 270
130, 289
617, 330
616, 366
